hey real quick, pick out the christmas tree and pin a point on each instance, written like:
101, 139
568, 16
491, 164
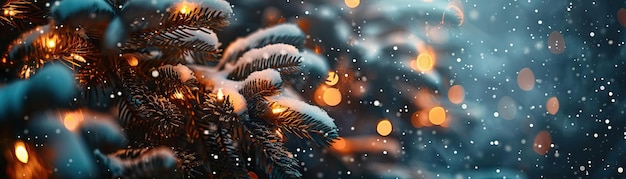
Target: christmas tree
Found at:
185, 108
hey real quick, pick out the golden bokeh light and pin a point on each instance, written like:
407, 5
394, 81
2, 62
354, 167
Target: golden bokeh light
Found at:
556, 43
552, 105
456, 94
526, 79
332, 96
71, 120
384, 127
425, 62
332, 78
20, 151
621, 16
542, 142
132, 61
437, 115
352, 3
507, 108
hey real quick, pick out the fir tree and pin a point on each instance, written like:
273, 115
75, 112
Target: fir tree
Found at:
187, 108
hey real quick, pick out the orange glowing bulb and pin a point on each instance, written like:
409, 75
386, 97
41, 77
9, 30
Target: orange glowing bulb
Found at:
220, 94
20, 152
132, 61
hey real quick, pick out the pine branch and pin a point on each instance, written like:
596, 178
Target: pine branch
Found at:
259, 88
35, 48
284, 63
178, 43
198, 17
280, 34
270, 153
141, 108
217, 125
304, 126
21, 13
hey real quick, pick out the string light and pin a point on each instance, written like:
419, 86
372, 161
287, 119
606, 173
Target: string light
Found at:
51, 41
220, 94
20, 152
278, 109
132, 61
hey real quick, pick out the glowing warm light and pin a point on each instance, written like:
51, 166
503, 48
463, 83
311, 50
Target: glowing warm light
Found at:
456, 94
552, 105
184, 9
542, 142
51, 43
384, 127
332, 78
526, 79
437, 115
556, 43
352, 3
9, 12
178, 95
278, 109
220, 94
72, 120
507, 108
332, 96
425, 62
339, 144
20, 152
621, 16
132, 61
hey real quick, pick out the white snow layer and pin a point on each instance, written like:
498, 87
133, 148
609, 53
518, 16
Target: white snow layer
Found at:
268, 74
255, 38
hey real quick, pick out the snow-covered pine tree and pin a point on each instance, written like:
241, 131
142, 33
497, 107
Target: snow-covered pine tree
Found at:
186, 109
